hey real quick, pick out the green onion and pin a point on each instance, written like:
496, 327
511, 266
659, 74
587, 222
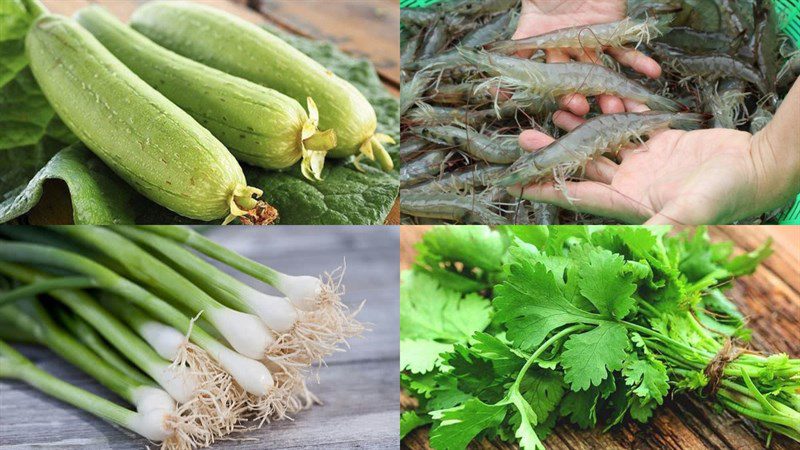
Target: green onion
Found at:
246, 333
15, 366
307, 335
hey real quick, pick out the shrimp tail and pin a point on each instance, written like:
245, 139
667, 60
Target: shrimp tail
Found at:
688, 121
659, 103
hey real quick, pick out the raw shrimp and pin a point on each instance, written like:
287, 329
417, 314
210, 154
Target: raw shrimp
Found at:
466, 179
410, 147
476, 38
408, 54
447, 206
558, 79
412, 90
422, 168
435, 40
427, 115
599, 135
611, 34
709, 67
725, 103
477, 145
691, 41
473, 8
495, 29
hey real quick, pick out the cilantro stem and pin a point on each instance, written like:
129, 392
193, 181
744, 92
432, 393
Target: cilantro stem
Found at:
539, 351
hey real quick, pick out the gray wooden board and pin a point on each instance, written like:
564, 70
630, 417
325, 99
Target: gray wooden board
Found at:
359, 387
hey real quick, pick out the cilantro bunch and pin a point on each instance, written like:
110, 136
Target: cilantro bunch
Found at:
505, 331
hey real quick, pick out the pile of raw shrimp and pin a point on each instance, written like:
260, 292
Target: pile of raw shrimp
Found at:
466, 96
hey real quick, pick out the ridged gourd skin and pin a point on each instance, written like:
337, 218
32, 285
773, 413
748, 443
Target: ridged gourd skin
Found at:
240, 48
259, 125
143, 137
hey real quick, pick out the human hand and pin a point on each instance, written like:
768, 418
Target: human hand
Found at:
543, 16
676, 177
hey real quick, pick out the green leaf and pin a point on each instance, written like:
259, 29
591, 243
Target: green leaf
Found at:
410, 420
428, 311
532, 304
458, 426
94, 194
747, 263
344, 197
504, 359
24, 112
536, 235
589, 357
648, 377
14, 23
421, 355
641, 409
602, 282
581, 407
464, 258
527, 436
543, 389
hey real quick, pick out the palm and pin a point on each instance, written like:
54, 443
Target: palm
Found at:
543, 16
688, 177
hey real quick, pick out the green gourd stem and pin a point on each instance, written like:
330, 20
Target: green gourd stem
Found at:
15, 365
85, 333
261, 126
215, 282
114, 331
44, 286
213, 250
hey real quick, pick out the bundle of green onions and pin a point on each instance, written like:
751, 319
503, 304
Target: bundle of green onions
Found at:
197, 352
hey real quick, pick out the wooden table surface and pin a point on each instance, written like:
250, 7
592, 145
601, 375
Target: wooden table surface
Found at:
770, 298
359, 387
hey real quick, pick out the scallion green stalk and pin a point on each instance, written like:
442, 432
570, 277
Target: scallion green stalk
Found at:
149, 424
251, 375
308, 336
245, 332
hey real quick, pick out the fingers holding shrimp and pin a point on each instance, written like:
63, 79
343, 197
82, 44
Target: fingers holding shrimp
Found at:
590, 197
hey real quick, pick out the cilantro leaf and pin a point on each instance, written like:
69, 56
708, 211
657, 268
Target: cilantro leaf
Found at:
531, 304
649, 376
458, 426
581, 407
410, 420
428, 311
603, 283
463, 258
588, 357
528, 439
421, 355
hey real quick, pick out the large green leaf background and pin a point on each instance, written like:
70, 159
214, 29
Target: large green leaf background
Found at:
46, 176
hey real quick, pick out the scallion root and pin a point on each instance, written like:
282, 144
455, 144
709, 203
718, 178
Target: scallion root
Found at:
218, 402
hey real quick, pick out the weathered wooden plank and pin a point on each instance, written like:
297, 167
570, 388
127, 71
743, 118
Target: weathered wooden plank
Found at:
366, 28
770, 298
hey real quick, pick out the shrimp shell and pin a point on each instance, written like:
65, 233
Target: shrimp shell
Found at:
599, 135
477, 145
466, 179
447, 206
421, 169
611, 34
558, 79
